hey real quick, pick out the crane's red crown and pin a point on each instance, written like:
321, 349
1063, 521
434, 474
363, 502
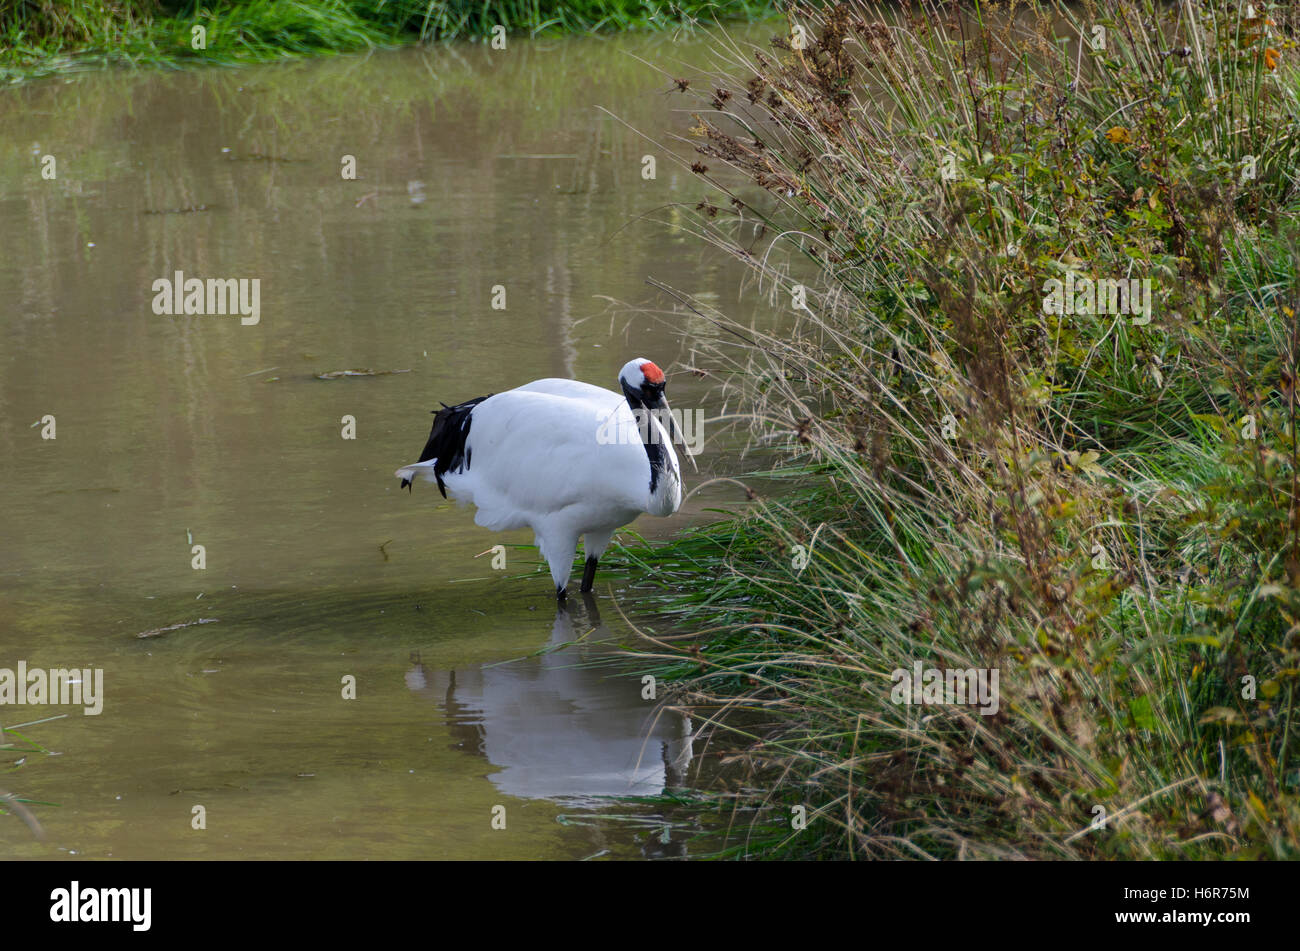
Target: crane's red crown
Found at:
652, 373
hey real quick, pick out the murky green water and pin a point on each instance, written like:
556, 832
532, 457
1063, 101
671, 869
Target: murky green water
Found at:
474, 169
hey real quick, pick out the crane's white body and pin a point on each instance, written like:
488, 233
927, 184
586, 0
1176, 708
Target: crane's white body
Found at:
541, 456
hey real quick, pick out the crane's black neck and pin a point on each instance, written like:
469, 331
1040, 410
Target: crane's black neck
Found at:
642, 403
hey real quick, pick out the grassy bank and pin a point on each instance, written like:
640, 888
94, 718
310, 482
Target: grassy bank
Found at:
1095, 498
38, 37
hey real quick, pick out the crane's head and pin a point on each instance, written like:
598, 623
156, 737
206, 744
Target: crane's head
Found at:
643, 384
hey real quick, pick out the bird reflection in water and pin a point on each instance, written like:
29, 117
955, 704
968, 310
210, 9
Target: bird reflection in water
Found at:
555, 726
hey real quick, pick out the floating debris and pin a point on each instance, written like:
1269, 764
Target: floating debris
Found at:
188, 209
262, 157
341, 374
160, 631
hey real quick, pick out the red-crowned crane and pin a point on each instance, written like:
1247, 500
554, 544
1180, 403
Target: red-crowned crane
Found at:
562, 458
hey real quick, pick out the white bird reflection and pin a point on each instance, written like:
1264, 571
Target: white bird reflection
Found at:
555, 728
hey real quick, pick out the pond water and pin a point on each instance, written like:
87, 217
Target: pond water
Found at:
477, 171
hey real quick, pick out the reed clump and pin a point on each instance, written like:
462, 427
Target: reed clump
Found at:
1008, 458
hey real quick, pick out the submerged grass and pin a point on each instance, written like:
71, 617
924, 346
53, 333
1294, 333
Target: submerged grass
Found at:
38, 37
15, 749
1098, 501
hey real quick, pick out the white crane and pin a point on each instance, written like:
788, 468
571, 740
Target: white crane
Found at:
562, 458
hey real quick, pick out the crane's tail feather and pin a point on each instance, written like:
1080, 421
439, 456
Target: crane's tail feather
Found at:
417, 470
445, 451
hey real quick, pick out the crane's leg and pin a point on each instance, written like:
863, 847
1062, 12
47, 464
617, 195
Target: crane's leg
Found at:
588, 575
593, 546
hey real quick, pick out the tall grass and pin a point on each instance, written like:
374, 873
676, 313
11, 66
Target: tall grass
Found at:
1102, 508
43, 36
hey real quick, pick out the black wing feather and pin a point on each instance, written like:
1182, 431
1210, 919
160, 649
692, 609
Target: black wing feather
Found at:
447, 441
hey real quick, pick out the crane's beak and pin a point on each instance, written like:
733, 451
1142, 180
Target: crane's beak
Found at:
675, 433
